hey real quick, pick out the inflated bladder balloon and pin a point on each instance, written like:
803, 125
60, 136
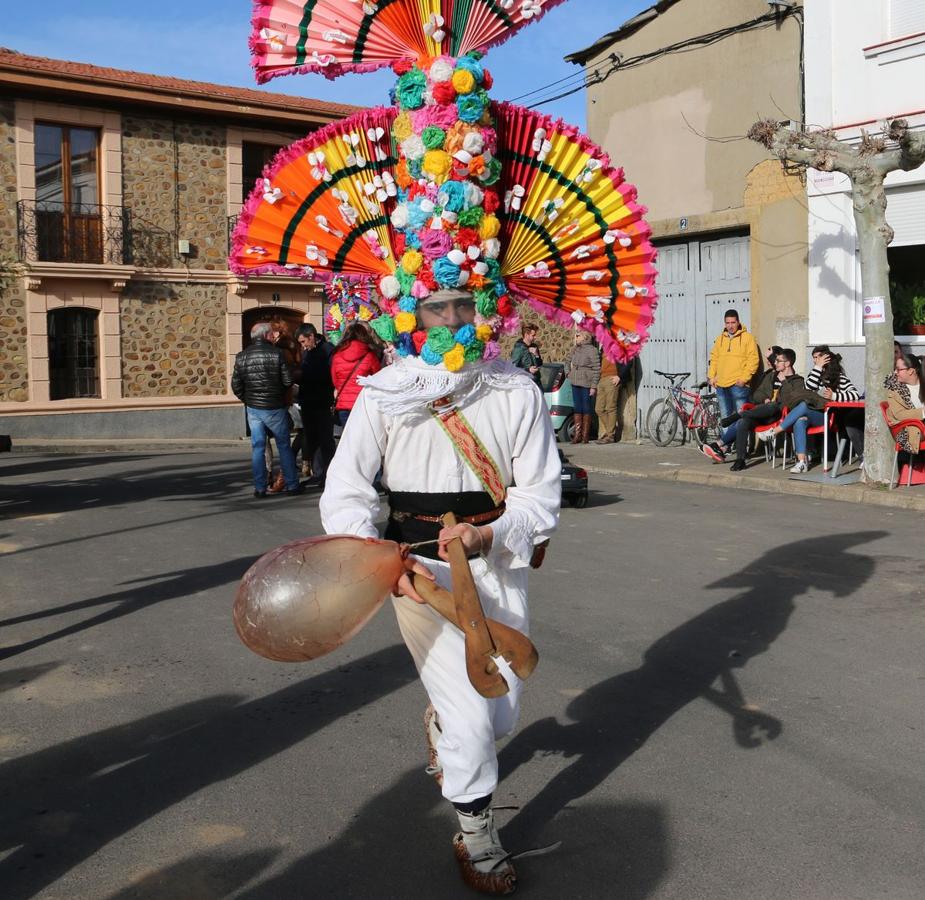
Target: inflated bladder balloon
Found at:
308, 597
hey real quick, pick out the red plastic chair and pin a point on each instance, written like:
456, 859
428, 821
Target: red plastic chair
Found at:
770, 447
897, 449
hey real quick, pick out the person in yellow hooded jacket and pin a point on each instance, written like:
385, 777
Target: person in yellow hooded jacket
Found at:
733, 363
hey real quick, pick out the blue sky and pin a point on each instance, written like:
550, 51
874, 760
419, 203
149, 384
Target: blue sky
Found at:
206, 40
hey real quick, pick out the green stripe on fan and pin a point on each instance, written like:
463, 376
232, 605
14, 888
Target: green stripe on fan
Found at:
307, 12
310, 200
568, 184
554, 251
360, 46
458, 26
351, 239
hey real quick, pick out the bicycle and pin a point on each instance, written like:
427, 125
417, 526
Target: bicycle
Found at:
697, 412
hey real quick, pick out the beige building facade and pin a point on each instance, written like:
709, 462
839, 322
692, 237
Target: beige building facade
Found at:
118, 194
676, 89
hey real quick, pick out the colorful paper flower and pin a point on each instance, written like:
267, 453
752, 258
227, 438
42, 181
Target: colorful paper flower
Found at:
405, 322
410, 89
455, 359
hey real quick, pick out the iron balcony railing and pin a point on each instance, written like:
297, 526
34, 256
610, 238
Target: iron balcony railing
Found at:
55, 231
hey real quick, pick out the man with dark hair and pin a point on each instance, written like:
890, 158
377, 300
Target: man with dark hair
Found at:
733, 363
766, 409
261, 381
316, 397
526, 353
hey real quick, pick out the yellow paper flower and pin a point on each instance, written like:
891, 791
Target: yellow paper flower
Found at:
401, 127
437, 164
411, 262
336, 314
463, 81
405, 322
483, 332
365, 313
489, 228
455, 358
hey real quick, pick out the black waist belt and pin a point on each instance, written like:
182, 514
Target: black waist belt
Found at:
415, 517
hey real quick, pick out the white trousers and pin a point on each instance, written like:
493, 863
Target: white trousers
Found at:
470, 723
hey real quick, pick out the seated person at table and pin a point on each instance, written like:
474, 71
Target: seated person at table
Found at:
805, 412
828, 378
766, 409
907, 401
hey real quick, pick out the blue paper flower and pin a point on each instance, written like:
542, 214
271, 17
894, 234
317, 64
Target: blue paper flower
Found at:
407, 304
465, 335
470, 107
446, 273
454, 193
404, 345
430, 356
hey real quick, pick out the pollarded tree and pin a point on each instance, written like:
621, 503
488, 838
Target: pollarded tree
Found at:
866, 164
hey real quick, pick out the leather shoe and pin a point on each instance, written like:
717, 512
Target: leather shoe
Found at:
259, 495
738, 466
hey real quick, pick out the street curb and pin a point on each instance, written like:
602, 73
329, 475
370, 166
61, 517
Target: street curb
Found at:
843, 494
128, 445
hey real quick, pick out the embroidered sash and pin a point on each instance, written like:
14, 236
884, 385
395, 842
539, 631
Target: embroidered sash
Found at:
472, 450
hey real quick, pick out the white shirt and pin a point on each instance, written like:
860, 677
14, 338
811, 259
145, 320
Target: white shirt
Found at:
391, 425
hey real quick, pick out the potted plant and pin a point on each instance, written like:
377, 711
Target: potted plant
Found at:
908, 302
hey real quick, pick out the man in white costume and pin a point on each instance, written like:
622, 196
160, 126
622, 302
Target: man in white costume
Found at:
394, 425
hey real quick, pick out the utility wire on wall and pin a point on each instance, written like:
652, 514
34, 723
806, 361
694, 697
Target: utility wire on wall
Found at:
571, 84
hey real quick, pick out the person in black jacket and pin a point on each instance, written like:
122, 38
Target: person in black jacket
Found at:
261, 381
316, 397
766, 409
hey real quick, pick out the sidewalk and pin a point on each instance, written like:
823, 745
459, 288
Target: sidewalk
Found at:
629, 460
687, 464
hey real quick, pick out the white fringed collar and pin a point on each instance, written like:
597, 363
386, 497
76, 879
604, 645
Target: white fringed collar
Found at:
410, 385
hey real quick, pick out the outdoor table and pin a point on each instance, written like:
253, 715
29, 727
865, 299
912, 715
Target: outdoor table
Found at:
834, 406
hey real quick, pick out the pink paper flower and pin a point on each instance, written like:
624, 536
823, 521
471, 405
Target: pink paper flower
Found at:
435, 243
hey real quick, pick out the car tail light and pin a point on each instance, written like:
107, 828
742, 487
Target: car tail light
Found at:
582, 475
558, 382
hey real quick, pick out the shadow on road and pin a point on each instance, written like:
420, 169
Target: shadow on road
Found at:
399, 846
188, 481
66, 462
201, 876
613, 719
104, 784
184, 583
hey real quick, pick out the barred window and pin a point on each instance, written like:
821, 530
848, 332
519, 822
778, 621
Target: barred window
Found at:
73, 354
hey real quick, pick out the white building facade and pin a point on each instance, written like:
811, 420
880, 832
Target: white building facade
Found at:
865, 62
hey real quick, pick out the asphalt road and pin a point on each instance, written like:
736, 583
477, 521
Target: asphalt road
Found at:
729, 702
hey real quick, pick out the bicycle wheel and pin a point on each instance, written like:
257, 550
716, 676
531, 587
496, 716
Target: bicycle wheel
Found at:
709, 428
662, 422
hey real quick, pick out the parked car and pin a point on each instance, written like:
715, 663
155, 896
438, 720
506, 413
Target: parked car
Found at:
557, 391
574, 483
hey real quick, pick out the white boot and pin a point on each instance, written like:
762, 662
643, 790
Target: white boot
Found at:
483, 862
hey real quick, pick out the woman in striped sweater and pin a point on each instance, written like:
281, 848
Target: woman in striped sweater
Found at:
829, 381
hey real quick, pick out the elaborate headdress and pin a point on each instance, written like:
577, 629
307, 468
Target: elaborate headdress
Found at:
446, 189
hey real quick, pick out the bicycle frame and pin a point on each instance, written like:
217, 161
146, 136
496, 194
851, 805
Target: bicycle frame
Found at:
696, 416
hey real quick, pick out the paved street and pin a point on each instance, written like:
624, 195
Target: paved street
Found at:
728, 703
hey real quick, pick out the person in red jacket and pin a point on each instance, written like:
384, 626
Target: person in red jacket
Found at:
358, 353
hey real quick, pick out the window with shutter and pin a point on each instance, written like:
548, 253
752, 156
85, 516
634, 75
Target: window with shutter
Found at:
906, 17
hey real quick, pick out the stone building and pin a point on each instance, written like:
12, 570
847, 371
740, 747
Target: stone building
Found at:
672, 93
118, 193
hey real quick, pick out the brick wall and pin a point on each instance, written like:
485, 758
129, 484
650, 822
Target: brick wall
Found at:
173, 339
768, 183
14, 365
